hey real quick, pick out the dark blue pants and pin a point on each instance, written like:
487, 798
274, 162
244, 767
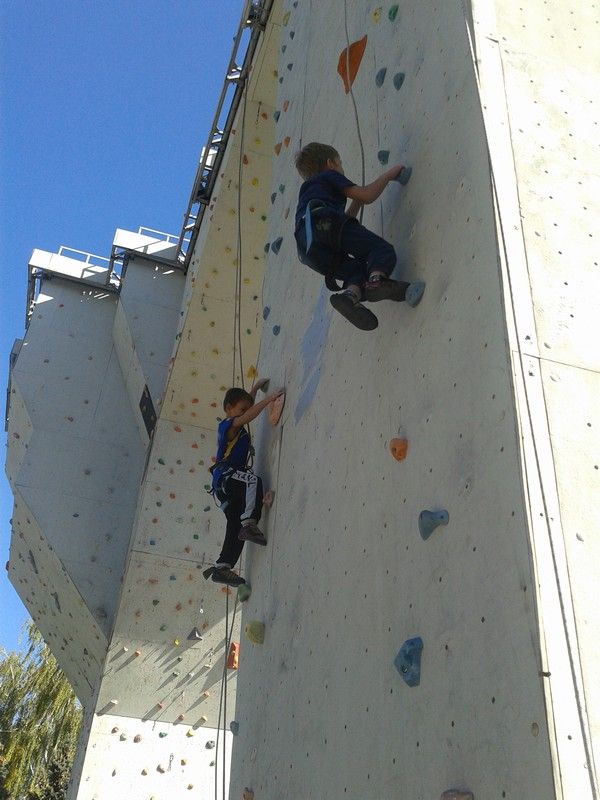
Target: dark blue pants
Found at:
344, 249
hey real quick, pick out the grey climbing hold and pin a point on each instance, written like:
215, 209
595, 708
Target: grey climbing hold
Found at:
210, 744
380, 77
273, 197
276, 245
408, 661
266, 312
430, 520
292, 34
289, 66
276, 330
398, 80
414, 293
194, 635
234, 727
383, 156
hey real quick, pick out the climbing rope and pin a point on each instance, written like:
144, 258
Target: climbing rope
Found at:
237, 317
222, 714
360, 141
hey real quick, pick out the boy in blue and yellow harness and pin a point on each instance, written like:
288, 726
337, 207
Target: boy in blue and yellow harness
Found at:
236, 487
331, 240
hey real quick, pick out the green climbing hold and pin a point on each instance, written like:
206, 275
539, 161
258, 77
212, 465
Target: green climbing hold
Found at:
162, 734
195, 536
393, 12
244, 591
155, 602
163, 627
161, 461
383, 156
255, 631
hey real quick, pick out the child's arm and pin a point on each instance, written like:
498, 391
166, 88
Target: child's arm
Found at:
353, 208
254, 411
369, 193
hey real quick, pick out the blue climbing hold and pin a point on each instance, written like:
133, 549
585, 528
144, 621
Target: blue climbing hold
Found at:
289, 66
414, 293
430, 520
380, 77
383, 156
276, 115
273, 197
276, 245
266, 312
408, 661
267, 246
403, 176
398, 80
276, 329
152, 542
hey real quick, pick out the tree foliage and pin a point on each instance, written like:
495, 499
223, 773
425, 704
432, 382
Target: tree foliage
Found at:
39, 723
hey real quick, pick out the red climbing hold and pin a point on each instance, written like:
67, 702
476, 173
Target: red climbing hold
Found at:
399, 448
349, 62
276, 409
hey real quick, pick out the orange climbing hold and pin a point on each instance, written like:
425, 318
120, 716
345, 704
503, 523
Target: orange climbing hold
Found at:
399, 448
233, 656
276, 409
349, 62
268, 498
277, 148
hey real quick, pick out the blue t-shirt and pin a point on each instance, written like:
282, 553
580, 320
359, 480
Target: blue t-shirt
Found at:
324, 186
238, 455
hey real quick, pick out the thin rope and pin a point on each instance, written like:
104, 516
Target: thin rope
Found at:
237, 325
360, 140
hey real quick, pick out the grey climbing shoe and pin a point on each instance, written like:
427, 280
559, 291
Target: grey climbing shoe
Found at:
414, 293
224, 575
385, 289
349, 307
250, 532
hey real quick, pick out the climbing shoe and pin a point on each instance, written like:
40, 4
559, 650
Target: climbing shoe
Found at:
385, 289
250, 532
224, 575
348, 306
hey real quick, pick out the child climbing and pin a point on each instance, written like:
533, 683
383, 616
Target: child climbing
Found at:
332, 241
234, 483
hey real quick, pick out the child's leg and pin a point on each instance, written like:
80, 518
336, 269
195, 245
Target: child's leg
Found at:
232, 546
377, 255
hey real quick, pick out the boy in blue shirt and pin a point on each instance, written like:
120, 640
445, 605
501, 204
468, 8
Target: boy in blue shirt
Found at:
237, 488
341, 247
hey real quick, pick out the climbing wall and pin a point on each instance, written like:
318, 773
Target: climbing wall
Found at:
131, 758
401, 658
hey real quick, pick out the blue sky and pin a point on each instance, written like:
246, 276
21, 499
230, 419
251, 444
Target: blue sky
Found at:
104, 108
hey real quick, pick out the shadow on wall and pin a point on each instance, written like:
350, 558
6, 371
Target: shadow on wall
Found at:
312, 349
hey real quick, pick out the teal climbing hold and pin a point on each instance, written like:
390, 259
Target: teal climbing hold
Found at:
380, 77
398, 80
244, 591
234, 727
161, 461
276, 245
282, 188
266, 312
383, 156
393, 12
162, 734
152, 542
403, 176
273, 197
276, 330
276, 115
430, 520
414, 293
408, 661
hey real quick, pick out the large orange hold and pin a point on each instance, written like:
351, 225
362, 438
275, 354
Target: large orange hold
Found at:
233, 656
349, 62
399, 448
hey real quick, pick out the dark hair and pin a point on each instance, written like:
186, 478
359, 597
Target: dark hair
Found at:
313, 158
234, 395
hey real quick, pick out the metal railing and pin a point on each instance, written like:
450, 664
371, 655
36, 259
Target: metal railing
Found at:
254, 19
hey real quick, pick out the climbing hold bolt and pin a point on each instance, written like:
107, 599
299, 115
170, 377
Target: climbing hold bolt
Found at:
457, 794
408, 661
380, 77
398, 80
414, 293
234, 727
430, 520
399, 448
255, 631
244, 591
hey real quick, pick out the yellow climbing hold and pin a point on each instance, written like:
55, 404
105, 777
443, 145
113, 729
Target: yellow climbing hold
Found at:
376, 14
255, 631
